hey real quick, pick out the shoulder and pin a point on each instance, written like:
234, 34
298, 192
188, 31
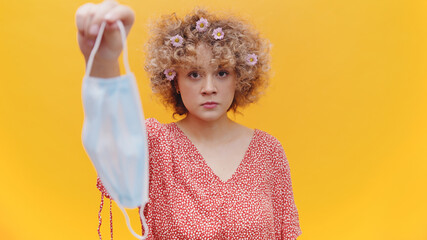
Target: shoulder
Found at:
158, 136
272, 149
152, 123
158, 129
268, 140
154, 128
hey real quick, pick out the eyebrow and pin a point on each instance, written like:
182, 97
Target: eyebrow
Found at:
200, 68
193, 67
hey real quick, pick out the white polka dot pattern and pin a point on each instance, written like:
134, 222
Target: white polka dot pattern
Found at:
189, 201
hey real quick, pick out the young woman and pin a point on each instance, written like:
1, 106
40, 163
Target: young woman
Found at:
209, 177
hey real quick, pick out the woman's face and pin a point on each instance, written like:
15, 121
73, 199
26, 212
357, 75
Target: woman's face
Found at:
206, 92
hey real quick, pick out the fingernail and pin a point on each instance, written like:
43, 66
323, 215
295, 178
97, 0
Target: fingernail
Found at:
93, 30
91, 43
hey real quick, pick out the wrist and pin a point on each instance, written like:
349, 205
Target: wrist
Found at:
105, 69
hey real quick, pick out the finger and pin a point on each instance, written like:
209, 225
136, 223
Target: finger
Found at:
88, 20
99, 15
81, 17
123, 13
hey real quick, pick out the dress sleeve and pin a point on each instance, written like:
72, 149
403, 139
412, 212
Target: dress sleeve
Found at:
101, 188
284, 197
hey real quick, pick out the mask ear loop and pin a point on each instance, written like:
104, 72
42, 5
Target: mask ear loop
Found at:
98, 42
126, 63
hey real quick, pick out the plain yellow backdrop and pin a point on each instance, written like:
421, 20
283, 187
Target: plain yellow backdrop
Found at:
347, 100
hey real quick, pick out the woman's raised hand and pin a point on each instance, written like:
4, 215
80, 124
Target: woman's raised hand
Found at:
88, 20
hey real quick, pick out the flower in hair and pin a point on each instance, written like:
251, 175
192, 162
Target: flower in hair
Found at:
202, 25
251, 59
218, 33
177, 40
170, 74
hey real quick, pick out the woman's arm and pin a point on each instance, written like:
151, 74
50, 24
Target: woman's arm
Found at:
284, 202
88, 20
114, 133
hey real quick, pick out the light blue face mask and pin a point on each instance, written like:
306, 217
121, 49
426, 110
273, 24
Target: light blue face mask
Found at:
114, 134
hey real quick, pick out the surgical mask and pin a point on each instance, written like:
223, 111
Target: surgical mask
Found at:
114, 134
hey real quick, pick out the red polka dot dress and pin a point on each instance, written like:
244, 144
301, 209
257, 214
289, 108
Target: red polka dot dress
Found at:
187, 200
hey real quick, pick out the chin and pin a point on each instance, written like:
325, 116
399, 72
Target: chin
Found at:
210, 116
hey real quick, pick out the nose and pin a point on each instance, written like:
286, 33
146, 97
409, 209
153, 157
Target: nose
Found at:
209, 86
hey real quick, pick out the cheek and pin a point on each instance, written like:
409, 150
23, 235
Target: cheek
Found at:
188, 95
232, 89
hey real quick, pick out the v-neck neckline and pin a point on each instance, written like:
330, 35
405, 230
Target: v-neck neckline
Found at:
206, 166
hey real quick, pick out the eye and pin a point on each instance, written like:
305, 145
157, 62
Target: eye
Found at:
223, 73
194, 75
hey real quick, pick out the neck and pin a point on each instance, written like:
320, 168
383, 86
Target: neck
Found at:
206, 131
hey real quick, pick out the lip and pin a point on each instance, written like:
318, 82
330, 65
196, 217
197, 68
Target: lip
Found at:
210, 105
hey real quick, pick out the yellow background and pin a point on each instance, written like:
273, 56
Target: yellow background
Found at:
347, 100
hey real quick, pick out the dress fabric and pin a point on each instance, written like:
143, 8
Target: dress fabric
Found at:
187, 200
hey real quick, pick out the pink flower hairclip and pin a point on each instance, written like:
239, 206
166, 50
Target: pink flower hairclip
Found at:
218, 33
170, 74
177, 40
251, 59
202, 25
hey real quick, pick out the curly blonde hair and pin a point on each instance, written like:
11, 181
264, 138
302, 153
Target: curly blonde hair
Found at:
240, 39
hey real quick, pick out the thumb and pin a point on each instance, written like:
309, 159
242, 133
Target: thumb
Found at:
123, 13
